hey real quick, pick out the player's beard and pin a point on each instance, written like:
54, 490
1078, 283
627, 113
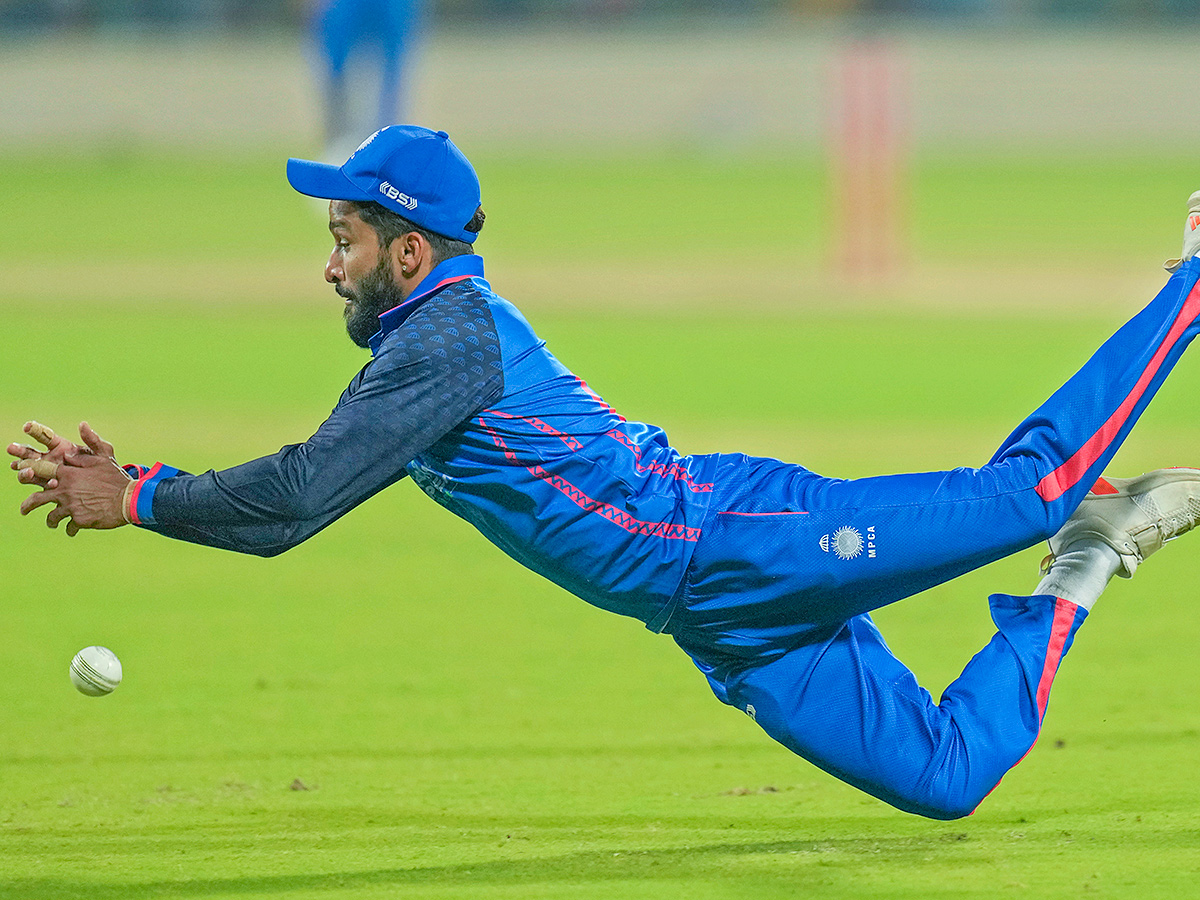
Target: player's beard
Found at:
376, 293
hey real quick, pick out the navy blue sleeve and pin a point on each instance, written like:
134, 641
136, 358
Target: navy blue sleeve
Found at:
431, 374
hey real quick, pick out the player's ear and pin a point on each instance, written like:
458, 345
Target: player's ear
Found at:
409, 252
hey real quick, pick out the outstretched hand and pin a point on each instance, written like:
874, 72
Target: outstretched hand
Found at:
83, 481
56, 451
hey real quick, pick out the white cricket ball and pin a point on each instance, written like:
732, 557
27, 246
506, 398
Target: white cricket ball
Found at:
95, 671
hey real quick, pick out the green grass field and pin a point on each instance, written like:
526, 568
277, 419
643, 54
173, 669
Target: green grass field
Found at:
395, 709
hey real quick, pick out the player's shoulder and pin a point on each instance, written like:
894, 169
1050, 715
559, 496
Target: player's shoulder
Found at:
453, 329
462, 304
458, 311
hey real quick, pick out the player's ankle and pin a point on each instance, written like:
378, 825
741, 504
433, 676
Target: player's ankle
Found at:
1080, 572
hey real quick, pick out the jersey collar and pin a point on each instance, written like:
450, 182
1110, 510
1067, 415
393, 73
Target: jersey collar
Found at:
447, 272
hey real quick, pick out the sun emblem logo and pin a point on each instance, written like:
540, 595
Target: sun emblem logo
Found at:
847, 543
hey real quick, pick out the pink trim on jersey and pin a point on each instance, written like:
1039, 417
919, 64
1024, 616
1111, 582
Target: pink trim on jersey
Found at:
437, 287
614, 515
587, 390
543, 427
729, 512
583, 501
1060, 630
1068, 474
674, 470
137, 490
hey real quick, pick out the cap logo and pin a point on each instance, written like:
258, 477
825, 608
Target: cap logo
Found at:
392, 194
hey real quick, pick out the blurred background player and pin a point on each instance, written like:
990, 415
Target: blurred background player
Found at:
364, 51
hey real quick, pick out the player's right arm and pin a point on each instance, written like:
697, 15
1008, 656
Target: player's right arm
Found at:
399, 405
88, 473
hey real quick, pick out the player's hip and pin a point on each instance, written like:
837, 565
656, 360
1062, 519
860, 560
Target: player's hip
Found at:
790, 554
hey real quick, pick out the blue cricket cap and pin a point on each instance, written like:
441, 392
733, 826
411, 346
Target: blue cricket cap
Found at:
414, 172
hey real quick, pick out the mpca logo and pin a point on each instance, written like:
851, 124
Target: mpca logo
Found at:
392, 194
848, 543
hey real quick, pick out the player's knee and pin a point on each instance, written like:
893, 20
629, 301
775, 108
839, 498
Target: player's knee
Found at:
948, 810
949, 793
945, 805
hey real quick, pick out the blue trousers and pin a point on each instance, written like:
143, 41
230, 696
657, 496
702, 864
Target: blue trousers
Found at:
776, 601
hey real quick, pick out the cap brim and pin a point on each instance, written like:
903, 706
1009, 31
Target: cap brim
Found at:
322, 180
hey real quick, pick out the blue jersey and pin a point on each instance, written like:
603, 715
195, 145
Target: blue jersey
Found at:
463, 396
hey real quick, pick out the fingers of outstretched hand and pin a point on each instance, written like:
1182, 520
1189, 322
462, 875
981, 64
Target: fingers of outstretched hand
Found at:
56, 515
31, 471
27, 476
41, 498
42, 434
21, 451
57, 449
94, 442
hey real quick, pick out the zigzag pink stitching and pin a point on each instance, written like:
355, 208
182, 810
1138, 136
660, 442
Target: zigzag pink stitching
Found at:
674, 470
583, 501
543, 427
499, 441
626, 521
583, 384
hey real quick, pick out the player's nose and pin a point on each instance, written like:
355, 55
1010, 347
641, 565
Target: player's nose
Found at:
333, 271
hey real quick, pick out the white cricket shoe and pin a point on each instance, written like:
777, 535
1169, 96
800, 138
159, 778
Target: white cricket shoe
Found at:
1191, 234
1134, 516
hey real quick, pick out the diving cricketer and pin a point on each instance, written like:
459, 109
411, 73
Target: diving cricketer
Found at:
763, 572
